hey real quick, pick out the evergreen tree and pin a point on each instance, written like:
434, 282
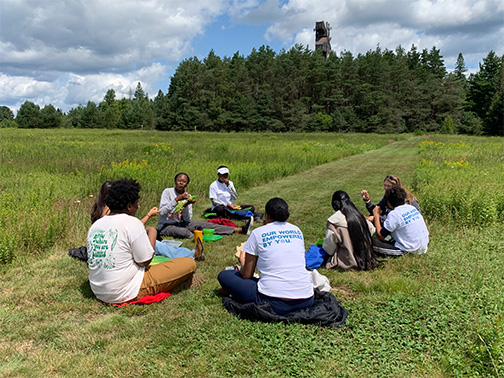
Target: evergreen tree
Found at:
483, 87
460, 68
6, 113
139, 113
433, 62
109, 111
161, 111
184, 97
90, 117
28, 115
74, 117
448, 100
494, 119
50, 117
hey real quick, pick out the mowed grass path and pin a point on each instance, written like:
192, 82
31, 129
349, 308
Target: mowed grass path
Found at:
398, 326
309, 193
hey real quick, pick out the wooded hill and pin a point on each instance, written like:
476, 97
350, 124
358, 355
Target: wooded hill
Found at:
298, 90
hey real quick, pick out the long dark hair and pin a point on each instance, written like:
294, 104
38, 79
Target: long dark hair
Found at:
99, 205
358, 230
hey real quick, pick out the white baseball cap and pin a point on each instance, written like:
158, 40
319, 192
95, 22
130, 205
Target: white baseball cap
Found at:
223, 170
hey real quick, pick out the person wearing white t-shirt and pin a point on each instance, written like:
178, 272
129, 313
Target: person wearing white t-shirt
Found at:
222, 193
404, 223
120, 251
277, 251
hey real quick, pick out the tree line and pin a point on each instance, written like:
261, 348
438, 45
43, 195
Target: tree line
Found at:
298, 89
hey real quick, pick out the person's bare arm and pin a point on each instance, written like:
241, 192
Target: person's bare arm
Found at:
151, 213
248, 268
152, 235
377, 224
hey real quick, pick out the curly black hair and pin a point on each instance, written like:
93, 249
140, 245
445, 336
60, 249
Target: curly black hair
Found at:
121, 193
396, 196
277, 209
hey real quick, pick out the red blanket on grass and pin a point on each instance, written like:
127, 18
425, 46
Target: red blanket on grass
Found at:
145, 300
223, 221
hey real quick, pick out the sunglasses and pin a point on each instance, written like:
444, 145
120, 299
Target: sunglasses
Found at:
391, 178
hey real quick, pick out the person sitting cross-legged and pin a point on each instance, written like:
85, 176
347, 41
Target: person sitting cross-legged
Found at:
277, 250
404, 223
120, 251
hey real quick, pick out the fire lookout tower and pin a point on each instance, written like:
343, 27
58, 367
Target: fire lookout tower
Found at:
323, 37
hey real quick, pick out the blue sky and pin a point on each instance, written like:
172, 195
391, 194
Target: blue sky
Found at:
66, 52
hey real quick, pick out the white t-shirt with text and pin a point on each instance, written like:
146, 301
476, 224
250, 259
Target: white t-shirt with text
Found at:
114, 243
281, 261
408, 229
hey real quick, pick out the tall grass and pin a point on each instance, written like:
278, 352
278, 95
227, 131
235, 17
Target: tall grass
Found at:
48, 177
462, 181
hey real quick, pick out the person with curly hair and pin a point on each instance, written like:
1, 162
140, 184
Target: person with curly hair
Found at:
120, 251
100, 209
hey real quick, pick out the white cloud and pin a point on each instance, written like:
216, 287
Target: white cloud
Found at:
67, 52
93, 35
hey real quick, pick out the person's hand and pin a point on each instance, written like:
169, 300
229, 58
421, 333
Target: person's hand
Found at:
153, 211
365, 195
225, 180
183, 196
370, 218
377, 211
234, 207
191, 200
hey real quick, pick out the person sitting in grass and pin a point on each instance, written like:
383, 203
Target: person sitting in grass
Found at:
277, 251
119, 252
222, 193
179, 224
348, 240
404, 223
389, 182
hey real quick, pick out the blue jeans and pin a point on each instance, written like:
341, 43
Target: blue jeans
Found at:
245, 291
163, 249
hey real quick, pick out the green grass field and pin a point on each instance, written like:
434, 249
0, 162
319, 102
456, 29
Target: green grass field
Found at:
435, 315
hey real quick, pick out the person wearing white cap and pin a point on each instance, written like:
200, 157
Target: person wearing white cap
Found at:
223, 193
